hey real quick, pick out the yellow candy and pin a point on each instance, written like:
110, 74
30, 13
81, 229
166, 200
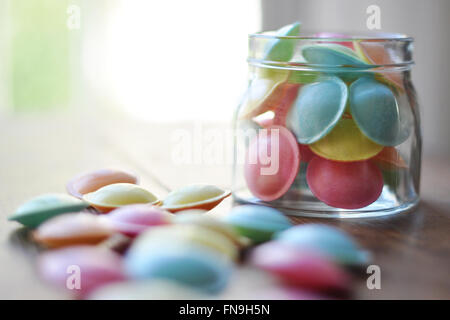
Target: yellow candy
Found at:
192, 234
198, 218
346, 143
198, 196
257, 93
117, 195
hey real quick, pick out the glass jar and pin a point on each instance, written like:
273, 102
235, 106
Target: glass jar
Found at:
329, 127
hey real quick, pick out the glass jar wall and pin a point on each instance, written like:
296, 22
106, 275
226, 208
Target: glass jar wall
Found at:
328, 127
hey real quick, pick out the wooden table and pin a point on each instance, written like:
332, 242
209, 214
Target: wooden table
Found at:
40, 153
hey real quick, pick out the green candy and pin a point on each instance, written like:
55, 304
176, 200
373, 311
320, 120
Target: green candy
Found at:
302, 77
37, 210
258, 223
283, 49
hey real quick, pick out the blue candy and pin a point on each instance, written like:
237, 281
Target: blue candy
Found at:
328, 240
376, 112
335, 59
184, 263
331, 54
317, 110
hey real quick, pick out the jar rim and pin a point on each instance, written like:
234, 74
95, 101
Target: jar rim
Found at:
372, 37
393, 42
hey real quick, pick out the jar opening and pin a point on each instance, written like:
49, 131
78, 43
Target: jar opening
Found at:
374, 52
311, 36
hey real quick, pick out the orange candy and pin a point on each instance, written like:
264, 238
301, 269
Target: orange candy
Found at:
93, 181
375, 53
280, 99
73, 229
389, 157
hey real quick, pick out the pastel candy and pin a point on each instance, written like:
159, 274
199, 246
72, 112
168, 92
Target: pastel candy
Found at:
131, 220
257, 223
279, 100
94, 266
256, 99
195, 235
317, 109
347, 185
374, 52
283, 49
335, 59
290, 92
117, 195
346, 143
272, 162
198, 196
327, 240
37, 210
73, 229
376, 112
211, 223
183, 263
389, 159
331, 54
300, 267
92, 181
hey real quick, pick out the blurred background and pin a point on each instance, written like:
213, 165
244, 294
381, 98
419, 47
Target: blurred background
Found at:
172, 61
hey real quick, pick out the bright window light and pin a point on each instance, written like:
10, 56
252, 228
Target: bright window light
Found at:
177, 60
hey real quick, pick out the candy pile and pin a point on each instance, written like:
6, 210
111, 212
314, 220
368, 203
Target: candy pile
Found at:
112, 239
338, 119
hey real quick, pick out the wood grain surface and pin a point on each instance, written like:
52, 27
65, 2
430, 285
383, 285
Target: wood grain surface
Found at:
40, 153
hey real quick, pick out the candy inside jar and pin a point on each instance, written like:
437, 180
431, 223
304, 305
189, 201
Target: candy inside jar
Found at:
330, 127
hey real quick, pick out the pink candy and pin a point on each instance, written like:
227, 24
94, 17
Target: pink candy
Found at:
302, 268
134, 219
78, 270
347, 185
272, 163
